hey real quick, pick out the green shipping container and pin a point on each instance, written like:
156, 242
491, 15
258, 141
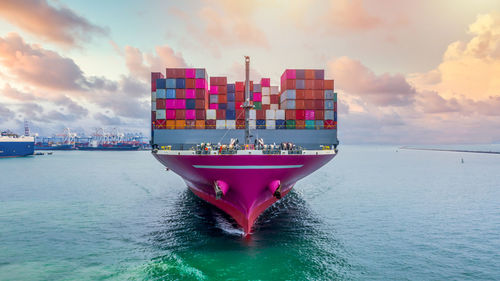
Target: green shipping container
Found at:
309, 124
257, 105
290, 124
335, 97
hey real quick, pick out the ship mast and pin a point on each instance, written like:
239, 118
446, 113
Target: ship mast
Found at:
246, 105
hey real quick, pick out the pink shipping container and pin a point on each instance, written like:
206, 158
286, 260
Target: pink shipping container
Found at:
200, 83
309, 114
190, 94
170, 104
180, 104
214, 106
257, 97
265, 82
214, 89
190, 114
170, 114
290, 74
190, 73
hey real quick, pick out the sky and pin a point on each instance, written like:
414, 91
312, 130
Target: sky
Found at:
406, 72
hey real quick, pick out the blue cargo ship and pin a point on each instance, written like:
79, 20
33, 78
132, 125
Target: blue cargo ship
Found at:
12, 145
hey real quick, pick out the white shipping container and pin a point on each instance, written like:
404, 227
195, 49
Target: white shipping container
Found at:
211, 114
252, 124
230, 124
275, 106
270, 124
280, 114
220, 124
153, 106
153, 96
275, 90
161, 114
266, 91
252, 114
266, 100
270, 114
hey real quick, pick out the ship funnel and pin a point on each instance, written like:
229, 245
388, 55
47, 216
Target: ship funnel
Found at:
220, 189
275, 188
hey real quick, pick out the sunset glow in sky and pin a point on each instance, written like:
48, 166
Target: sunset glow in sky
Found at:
406, 71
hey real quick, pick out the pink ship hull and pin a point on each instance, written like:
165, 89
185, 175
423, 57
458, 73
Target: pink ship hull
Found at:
247, 181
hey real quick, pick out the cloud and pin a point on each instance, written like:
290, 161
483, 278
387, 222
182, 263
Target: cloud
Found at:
469, 69
60, 25
44, 68
350, 15
5, 114
108, 120
382, 90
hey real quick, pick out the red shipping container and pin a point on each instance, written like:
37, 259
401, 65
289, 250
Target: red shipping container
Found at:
239, 86
260, 114
154, 76
328, 84
300, 124
300, 104
218, 81
308, 104
180, 93
275, 99
330, 124
288, 85
265, 82
266, 106
210, 124
300, 94
335, 106
239, 97
180, 114
319, 114
170, 113
222, 98
251, 86
160, 104
201, 114
190, 124
319, 94
190, 83
237, 105
309, 74
199, 104
201, 94
309, 94
240, 124
300, 114
222, 89
318, 84
240, 114
220, 114
309, 84
153, 115
290, 114
319, 104
160, 124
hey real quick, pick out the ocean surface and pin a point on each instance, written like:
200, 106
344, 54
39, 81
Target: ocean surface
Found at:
373, 213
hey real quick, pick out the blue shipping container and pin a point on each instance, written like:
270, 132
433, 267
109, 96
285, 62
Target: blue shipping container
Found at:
160, 83
261, 124
222, 105
257, 88
161, 93
319, 74
300, 84
171, 83
190, 104
310, 124
329, 104
319, 124
300, 74
280, 124
180, 83
214, 99
230, 97
287, 95
231, 105
329, 115
170, 93
200, 73
288, 104
231, 88
335, 116
230, 114
329, 95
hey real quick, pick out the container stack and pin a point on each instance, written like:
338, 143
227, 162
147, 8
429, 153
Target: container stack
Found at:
181, 98
308, 99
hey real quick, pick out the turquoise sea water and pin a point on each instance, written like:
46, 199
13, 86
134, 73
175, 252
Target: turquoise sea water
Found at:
373, 213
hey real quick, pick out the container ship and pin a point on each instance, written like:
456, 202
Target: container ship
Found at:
13, 145
242, 146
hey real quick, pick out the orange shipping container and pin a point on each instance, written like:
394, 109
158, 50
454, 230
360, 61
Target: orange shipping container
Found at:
180, 124
328, 84
300, 124
318, 94
180, 114
190, 83
318, 84
200, 124
300, 104
319, 114
288, 85
222, 98
170, 124
309, 74
222, 90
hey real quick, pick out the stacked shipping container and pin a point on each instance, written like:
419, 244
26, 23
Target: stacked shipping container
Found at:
184, 100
